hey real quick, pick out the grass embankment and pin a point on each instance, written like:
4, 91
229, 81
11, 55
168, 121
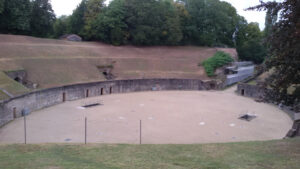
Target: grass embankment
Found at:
52, 63
252, 82
3, 96
10, 86
273, 154
218, 60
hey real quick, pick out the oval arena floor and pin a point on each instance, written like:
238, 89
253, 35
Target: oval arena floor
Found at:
168, 117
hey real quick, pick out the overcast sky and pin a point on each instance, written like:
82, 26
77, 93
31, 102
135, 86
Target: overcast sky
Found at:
66, 7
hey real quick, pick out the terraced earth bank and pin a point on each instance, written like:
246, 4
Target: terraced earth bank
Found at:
51, 63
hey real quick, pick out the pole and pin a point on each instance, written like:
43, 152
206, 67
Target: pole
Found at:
140, 131
85, 131
25, 133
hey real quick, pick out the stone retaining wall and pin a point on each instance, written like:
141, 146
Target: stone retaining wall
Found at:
257, 92
253, 91
13, 108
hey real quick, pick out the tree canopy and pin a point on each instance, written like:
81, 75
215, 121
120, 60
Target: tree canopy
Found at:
15, 16
250, 43
140, 22
26, 17
284, 51
157, 22
42, 18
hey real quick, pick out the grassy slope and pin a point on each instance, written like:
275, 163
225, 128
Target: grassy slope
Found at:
10, 86
252, 155
54, 62
3, 96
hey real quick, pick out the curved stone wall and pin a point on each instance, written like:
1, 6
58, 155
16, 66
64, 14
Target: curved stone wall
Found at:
257, 92
13, 108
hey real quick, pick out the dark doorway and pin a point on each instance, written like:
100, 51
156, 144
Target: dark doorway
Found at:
87, 93
242, 92
18, 79
64, 96
110, 90
15, 113
102, 91
212, 86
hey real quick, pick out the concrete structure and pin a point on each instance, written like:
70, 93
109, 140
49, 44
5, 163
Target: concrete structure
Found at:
12, 108
253, 91
71, 37
241, 70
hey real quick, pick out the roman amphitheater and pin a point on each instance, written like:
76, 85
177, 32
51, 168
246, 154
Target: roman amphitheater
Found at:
160, 100
172, 111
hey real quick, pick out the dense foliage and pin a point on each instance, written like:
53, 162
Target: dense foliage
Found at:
15, 16
140, 22
163, 22
218, 60
156, 22
284, 51
42, 18
249, 44
26, 17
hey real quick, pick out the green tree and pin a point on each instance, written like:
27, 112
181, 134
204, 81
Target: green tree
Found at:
61, 26
171, 28
42, 18
77, 20
93, 9
110, 25
250, 43
284, 53
1, 6
184, 17
270, 21
15, 16
153, 22
143, 21
211, 23
252, 50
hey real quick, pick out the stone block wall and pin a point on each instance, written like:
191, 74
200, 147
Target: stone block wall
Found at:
12, 108
253, 91
257, 92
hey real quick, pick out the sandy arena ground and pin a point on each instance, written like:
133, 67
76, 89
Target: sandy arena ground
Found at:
175, 117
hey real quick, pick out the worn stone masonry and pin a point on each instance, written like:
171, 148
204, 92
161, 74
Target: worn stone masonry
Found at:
258, 92
12, 108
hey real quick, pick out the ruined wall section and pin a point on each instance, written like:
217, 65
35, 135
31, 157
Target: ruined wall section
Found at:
14, 107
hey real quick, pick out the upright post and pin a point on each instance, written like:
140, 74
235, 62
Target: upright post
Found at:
85, 131
25, 133
140, 131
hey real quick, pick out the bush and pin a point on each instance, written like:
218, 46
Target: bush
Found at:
253, 51
218, 60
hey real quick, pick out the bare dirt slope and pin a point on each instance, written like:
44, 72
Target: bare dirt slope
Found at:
55, 62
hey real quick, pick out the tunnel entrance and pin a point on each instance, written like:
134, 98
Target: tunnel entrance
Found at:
18, 79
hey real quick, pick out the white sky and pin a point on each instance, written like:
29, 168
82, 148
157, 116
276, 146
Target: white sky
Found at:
66, 7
